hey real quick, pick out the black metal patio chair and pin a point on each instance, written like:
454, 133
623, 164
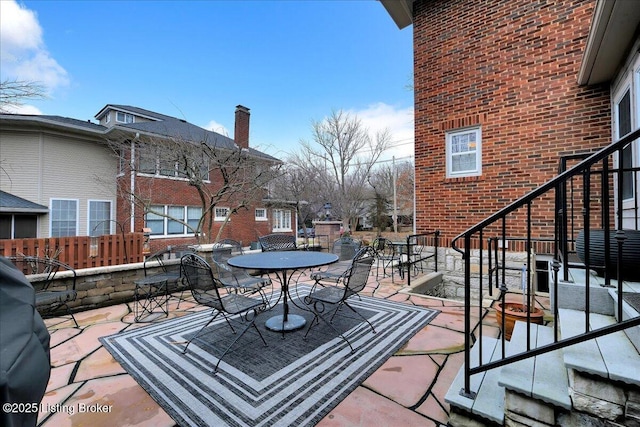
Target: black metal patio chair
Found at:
162, 277
386, 256
353, 281
346, 248
278, 242
206, 290
41, 272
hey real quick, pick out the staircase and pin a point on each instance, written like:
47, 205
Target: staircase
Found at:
593, 383
583, 367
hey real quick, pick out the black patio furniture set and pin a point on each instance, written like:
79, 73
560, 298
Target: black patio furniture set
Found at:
224, 284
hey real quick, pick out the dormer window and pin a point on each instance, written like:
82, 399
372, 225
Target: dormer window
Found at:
124, 117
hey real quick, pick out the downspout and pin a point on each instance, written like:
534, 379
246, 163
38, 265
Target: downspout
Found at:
132, 179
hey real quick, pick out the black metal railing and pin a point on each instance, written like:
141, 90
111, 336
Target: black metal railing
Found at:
419, 250
579, 202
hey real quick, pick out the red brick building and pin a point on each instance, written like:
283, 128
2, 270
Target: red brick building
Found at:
497, 102
155, 189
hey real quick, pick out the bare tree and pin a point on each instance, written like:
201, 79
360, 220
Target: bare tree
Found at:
345, 153
393, 188
219, 176
14, 92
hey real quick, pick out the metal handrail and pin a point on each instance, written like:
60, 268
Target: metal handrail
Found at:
475, 236
413, 238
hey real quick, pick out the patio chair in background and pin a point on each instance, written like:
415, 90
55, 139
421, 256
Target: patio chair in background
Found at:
350, 284
386, 256
278, 242
206, 290
234, 247
42, 272
162, 277
346, 249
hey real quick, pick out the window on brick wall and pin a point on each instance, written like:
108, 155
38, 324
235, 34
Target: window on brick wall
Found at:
281, 220
463, 147
221, 213
151, 162
261, 214
173, 220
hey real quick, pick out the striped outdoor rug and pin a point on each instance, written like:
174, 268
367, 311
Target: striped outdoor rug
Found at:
292, 382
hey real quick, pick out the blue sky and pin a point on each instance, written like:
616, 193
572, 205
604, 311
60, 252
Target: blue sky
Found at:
290, 62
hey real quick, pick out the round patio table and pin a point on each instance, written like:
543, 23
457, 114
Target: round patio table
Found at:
283, 264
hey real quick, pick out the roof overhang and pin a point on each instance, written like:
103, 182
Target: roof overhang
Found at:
401, 11
614, 27
45, 123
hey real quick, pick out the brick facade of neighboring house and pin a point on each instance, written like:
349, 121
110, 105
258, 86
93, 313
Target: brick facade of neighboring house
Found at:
176, 192
507, 72
68, 168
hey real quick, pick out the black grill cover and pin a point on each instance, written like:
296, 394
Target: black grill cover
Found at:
24, 349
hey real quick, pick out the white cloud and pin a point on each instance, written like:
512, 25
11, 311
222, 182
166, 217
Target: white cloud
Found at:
23, 54
24, 109
399, 122
217, 127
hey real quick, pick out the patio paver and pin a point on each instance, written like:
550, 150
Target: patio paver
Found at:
408, 389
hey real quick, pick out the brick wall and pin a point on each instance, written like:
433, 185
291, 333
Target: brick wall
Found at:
242, 227
510, 67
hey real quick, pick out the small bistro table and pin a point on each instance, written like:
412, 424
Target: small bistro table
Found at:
283, 264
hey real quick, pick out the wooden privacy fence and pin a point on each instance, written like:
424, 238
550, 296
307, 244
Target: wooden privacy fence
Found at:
112, 249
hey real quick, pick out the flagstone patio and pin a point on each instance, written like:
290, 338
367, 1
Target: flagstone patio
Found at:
88, 387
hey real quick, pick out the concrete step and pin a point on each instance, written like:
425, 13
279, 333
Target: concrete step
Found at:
612, 357
542, 377
489, 401
628, 312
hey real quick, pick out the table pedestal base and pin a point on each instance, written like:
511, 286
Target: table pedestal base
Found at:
293, 322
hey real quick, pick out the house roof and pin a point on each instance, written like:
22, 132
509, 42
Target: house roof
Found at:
171, 127
613, 29
401, 11
14, 204
45, 121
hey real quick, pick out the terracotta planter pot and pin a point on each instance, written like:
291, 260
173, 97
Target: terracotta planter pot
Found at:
514, 312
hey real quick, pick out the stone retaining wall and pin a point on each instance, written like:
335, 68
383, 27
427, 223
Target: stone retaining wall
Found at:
102, 286
451, 264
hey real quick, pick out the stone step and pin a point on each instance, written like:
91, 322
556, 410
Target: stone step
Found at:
628, 312
489, 401
611, 357
543, 377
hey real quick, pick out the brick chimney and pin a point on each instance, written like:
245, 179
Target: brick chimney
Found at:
241, 132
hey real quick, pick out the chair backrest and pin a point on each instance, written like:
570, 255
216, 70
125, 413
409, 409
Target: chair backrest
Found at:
46, 268
346, 248
170, 252
278, 242
227, 248
204, 287
224, 272
358, 274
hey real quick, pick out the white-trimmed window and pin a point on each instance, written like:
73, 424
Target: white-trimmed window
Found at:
170, 220
281, 220
221, 213
99, 218
124, 117
150, 163
64, 217
261, 214
464, 154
